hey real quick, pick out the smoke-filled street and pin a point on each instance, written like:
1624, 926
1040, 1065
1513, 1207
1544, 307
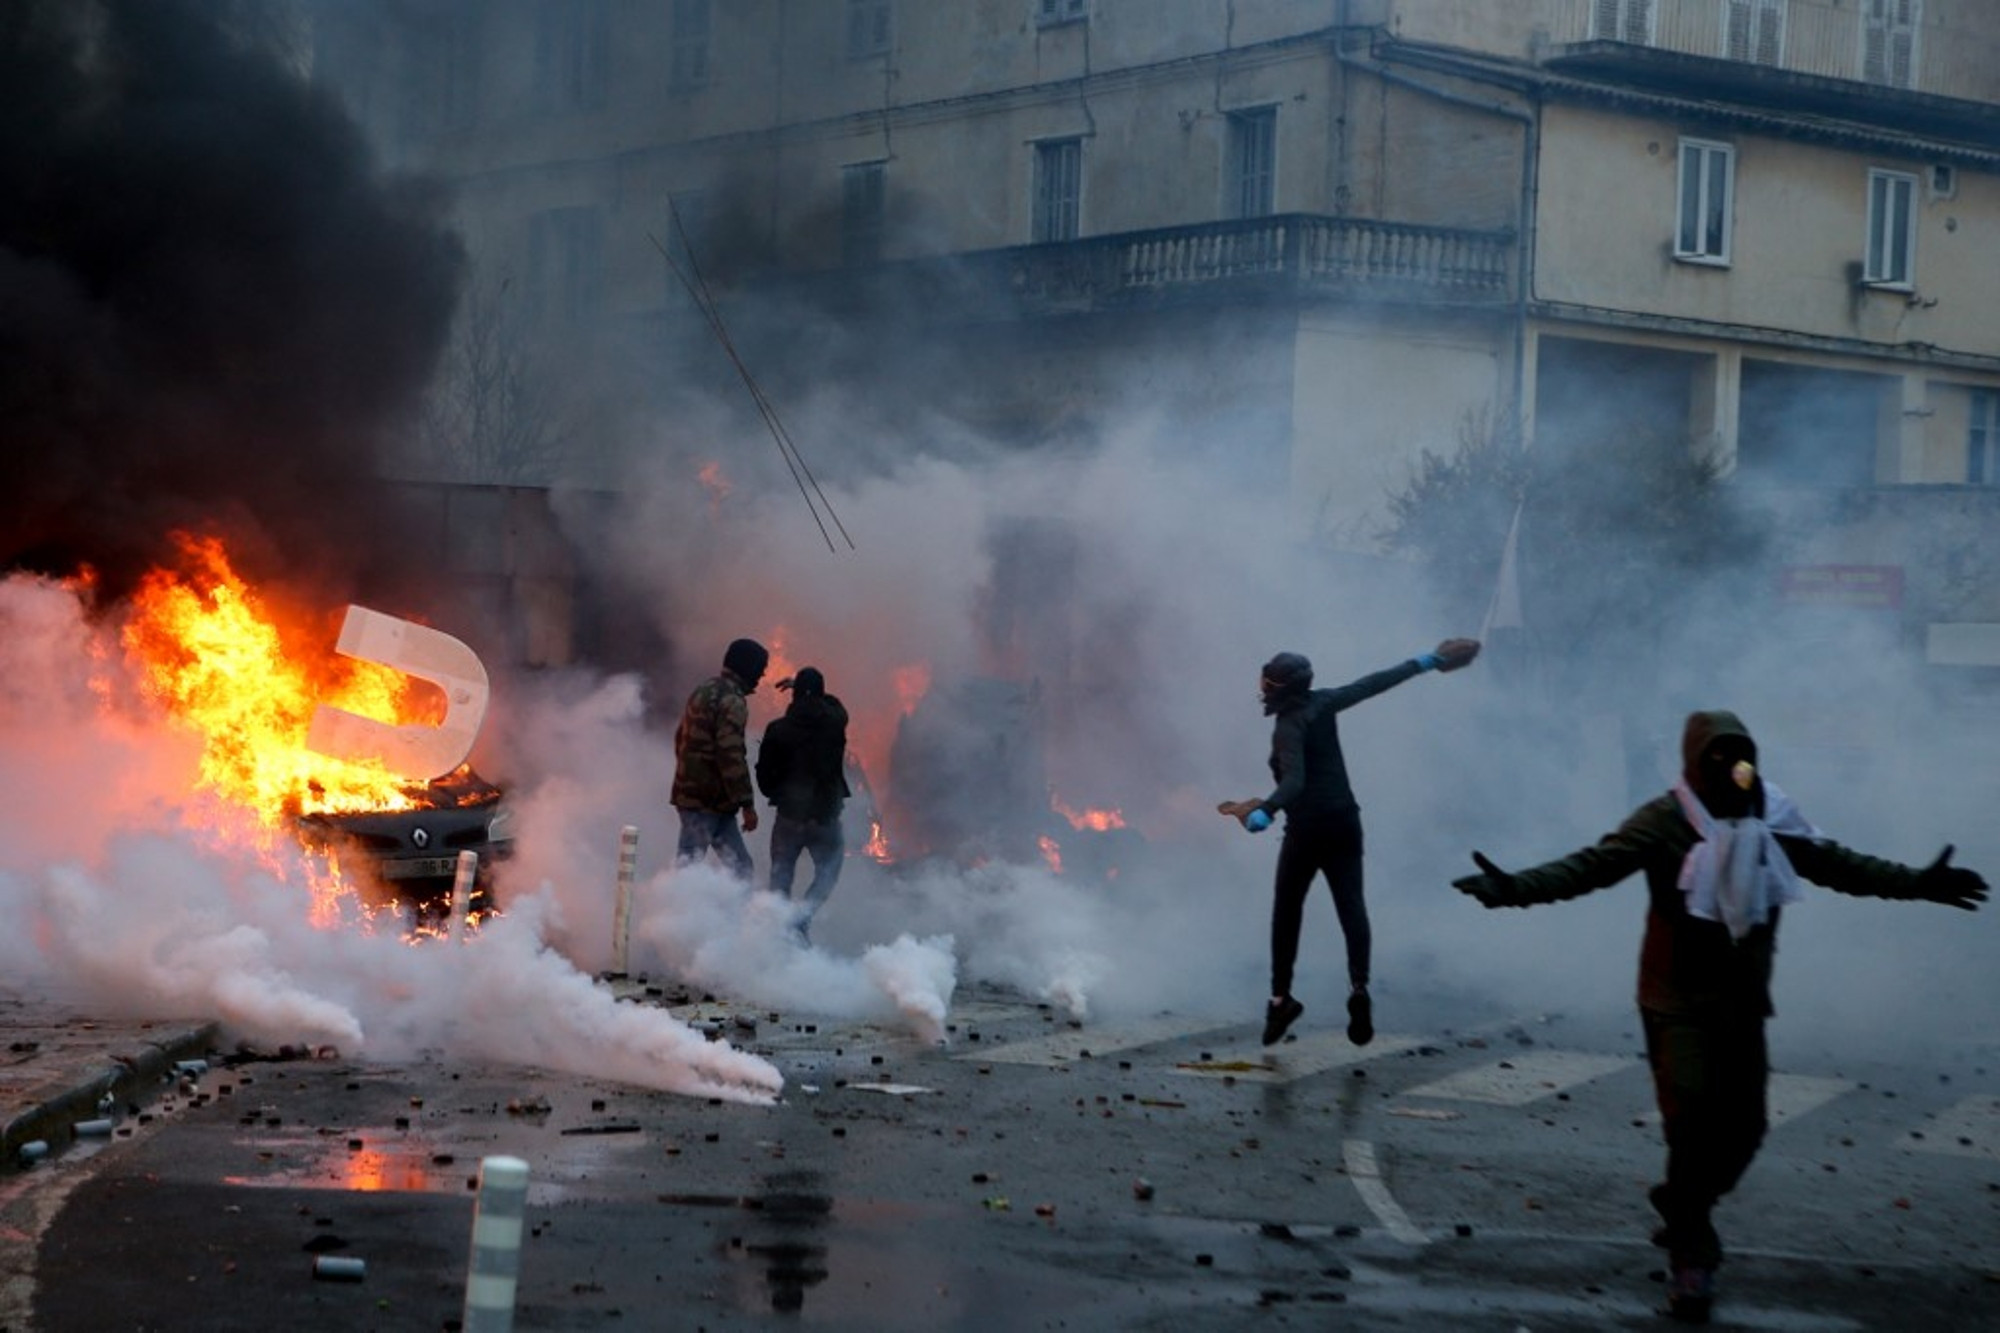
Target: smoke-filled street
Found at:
774, 613
1470, 1169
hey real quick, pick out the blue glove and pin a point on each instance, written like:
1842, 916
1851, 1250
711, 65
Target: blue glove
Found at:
1427, 661
1257, 820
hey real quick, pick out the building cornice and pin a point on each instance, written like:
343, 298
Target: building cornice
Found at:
1717, 98
1710, 332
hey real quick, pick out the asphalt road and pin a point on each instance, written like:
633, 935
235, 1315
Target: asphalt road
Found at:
1466, 1171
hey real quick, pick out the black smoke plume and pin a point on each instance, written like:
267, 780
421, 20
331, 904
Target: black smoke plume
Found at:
212, 304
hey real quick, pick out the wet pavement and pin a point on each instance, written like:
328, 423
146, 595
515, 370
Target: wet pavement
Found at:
1163, 1173
60, 1067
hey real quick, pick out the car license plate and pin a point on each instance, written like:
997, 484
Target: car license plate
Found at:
421, 867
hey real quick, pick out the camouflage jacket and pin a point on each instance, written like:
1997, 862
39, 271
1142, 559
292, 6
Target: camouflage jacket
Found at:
711, 758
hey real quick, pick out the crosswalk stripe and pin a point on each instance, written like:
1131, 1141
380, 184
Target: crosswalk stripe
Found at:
1313, 1053
1061, 1048
1788, 1096
1967, 1128
1524, 1078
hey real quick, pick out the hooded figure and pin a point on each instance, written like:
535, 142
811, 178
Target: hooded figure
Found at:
801, 770
1723, 854
712, 761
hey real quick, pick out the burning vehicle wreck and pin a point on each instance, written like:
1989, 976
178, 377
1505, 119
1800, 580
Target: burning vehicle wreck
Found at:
359, 755
412, 854
413, 848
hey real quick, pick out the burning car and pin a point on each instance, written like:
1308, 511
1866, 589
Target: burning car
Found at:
359, 754
413, 852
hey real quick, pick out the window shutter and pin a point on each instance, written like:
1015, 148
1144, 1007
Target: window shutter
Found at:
1604, 19
1638, 21
1737, 45
1770, 35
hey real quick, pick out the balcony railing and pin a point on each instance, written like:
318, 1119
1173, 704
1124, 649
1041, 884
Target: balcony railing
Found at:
1288, 251
1282, 256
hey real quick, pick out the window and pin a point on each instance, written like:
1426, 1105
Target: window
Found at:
1892, 229
1058, 189
1622, 21
863, 190
1050, 12
867, 28
1889, 41
687, 56
565, 263
571, 42
1982, 440
1708, 180
1252, 166
1754, 30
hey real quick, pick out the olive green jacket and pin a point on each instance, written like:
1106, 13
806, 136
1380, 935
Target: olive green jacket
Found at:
1688, 965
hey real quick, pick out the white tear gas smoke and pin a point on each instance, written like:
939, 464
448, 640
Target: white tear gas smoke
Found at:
120, 898
1171, 586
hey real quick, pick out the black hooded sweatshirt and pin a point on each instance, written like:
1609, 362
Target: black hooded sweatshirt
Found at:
801, 764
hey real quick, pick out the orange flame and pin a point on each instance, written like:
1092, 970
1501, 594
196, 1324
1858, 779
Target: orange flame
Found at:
1051, 853
1100, 821
207, 649
877, 847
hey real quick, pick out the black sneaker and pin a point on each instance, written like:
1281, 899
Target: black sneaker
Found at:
1360, 1017
1691, 1294
1279, 1015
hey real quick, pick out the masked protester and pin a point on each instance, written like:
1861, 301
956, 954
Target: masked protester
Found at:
801, 769
712, 761
1322, 820
1723, 853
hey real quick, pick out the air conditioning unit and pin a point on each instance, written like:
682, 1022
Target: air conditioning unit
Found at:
1943, 180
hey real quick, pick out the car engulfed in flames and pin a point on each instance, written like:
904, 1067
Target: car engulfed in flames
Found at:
412, 853
357, 754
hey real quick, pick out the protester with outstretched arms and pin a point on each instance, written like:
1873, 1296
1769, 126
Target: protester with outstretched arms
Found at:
1723, 854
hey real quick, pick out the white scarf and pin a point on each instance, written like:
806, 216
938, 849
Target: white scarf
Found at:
1737, 873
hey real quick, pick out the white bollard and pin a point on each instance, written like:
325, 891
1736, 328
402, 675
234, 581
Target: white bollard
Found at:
497, 1224
461, 893
339, 1268
621, 916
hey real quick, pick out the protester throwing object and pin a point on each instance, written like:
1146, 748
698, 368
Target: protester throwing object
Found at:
1322, 820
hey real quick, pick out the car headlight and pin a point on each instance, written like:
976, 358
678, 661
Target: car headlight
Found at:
500, 828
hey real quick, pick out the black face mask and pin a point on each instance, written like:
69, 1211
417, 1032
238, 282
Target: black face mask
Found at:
1726, 780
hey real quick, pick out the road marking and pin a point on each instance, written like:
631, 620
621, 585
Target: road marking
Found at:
1314, 1053
1969, 1128
1524, 1078
1061, 1048
1788, 1096
1359, 1155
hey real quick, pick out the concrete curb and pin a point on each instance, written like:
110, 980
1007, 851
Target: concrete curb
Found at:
127, 1081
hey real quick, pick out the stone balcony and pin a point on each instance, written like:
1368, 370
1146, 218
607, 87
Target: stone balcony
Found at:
1287, 256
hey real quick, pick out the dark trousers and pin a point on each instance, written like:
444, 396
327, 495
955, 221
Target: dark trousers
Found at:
1327, 845
1709, 1073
